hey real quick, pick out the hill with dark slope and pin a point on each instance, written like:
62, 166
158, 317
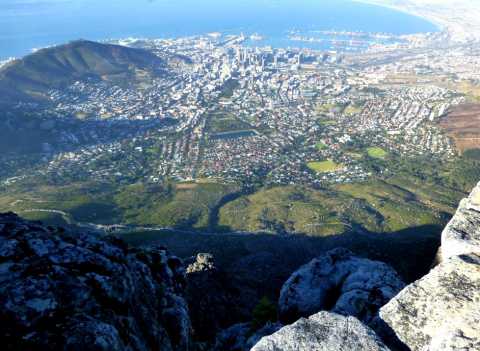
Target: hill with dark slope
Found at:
54, 68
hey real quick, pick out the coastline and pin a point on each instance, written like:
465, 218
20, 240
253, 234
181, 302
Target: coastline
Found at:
437, 23
459, 20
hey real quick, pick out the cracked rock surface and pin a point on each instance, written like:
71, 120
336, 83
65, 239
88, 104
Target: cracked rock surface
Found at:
83, 292
462, 234
339, 282
323, 331
441, 311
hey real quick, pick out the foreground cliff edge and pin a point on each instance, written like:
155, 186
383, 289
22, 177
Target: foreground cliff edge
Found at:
81, 292
64, 291
441, 311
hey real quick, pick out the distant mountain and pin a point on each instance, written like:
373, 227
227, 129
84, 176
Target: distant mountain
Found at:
32, 76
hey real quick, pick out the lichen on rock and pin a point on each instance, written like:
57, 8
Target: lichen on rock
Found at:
339, 282
62, 291
441, 311
323, 331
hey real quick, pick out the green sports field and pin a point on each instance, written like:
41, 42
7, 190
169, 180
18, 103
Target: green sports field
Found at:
324, 166
377, 152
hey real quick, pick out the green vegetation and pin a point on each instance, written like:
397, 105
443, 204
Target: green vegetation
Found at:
223, 123
353, 109
399, 208
327, 122
284, 210
329, 108
470, 89
83, 202
452, 177
354, 155
321, 146
324, 166
375, 206
324, 108
229, 88
415, 192
377, 152
420, 191
186, 206
264, 312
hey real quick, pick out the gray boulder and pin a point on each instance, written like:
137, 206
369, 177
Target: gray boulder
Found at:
440, 311
61, 291
462, 234
323, 331
339, 282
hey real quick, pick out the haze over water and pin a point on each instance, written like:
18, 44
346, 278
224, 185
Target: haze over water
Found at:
28, 24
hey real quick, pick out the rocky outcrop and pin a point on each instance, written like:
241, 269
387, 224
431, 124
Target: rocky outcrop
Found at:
339, 282
203, 262
82, 292
462, 234
441, 311
323, 331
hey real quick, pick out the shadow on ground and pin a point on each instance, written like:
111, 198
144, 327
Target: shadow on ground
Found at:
252, 266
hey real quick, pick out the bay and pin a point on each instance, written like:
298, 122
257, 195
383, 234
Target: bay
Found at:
29, 24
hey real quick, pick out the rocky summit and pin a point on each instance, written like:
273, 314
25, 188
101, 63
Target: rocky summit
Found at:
441, 311
323, 331
81, 292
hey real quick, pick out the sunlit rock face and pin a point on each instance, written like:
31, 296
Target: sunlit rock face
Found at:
462, 234
323, 331
82, 292
441, 311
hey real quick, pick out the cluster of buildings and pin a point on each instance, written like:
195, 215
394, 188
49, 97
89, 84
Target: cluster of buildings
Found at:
245, 114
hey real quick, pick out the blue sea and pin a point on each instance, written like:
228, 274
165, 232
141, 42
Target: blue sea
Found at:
29, 24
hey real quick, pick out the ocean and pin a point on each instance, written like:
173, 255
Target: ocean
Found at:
29, 24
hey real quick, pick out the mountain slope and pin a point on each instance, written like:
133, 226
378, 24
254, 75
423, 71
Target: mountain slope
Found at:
56, 67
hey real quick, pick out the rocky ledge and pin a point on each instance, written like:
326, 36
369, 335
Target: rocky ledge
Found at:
462, 234
82, 292
441, 311
323, 331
